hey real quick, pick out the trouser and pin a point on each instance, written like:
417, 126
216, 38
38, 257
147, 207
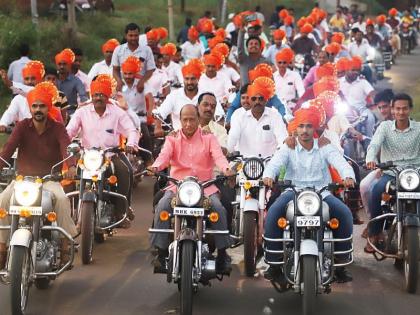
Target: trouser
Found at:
375, 203
161, 240
278, 209
367, 73
227, 196
366, 186
61, 206
145, 142
124, 173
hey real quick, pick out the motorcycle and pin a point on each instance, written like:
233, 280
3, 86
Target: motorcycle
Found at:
387, 56
401, 211
138, 165
96, 213
308, 254
303, 63
34, 249
406, 36
190, 261
249, 209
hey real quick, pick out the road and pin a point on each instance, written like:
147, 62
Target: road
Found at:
121, 280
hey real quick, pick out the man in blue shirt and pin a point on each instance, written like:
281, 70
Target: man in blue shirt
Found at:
307, 166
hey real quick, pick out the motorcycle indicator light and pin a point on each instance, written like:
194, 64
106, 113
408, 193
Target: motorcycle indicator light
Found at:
386, 197
95, 178
80, 162
214, 217
112, 179
334, 224
164, 216
52, 216
25, 213
282, 223
19, 178
38, 180
3, 213
239, 167
247, 185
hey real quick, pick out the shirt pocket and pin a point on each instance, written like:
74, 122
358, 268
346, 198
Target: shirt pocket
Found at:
267, 135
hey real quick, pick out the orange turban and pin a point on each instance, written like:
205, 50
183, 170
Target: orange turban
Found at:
393, 12
110, 45
370, 22
333, 48
381, 19
222, 48
207, 26
307, 28
220, 32
214, 41
255, 23
213, 60
279, 34
47, 94
343, 64
283, 14
288, 20
337, 37
168, 49
102, 85
286, 54
310, 20
194, 67
309, 115
356, 63
325, 84
66, 55
163, 32
261, 70
193, 33
301, 22
328, 100
322, 14
262, 86
131, 65
153, 34
326, 70
35, 69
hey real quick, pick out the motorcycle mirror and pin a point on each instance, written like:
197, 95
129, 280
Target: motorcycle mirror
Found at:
73, 148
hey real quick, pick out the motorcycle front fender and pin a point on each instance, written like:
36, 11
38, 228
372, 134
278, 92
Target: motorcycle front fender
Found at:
89, 196
411, 220
308, 247
187, 234
251, 205
21, 237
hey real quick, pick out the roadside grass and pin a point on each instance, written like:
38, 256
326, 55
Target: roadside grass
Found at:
415, 93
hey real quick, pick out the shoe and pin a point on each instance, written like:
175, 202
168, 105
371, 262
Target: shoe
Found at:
376, 240
357, 220
273, 273
342, 275
130, 214
159, 262
223, 264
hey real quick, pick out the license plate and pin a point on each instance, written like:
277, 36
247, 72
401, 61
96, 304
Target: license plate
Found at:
194, 212
304, 221
254, 183
409, 195
15, 210
88, 175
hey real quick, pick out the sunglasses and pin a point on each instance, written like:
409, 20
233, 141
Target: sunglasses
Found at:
282, 62
257, 98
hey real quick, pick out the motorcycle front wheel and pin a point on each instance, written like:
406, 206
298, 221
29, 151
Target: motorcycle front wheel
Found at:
19, 278
187, 260
250, 242
309, 284
411, 258
87, 231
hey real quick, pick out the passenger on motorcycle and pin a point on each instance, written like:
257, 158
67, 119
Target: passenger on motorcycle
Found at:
307, 166
360, 47
42, 142
395, 140
302, 44
101, 124
191, 152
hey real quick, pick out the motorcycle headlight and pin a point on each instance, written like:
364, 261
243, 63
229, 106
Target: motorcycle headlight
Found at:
253, 168
189, 193
409, 179
92, 160
26, 193
308, 203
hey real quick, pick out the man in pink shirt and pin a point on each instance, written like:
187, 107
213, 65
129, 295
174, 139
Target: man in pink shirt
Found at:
191, 152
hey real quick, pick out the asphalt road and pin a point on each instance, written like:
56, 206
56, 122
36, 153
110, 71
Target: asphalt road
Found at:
121, 281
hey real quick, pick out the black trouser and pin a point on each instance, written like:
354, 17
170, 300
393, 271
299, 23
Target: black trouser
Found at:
124, 173
145, 142
227, 196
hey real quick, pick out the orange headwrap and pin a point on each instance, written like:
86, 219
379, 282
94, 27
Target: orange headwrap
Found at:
194, 67
193, 33
213, 60
307, 28
356, 63
168, 49
322, 14
207, 26
153, 34
262, 86
283, 14
325, 84
279, 34
255, 23
66, 55
222, 48
131, 65
34, 68
163, 32
306, 115
288, 20
301, 22
286, 54
110, 45
381, 19
220, 32
261, 70
46, 93
333, 48
328, 100
343, 64
337, 37
370, 22
393, 12
102, 85
214, 41
326, 70
309, 20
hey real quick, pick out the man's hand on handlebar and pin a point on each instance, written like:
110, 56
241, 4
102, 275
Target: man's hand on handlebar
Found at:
349, 183
371, 165
71, 173
268, 182
151, 171
130, 149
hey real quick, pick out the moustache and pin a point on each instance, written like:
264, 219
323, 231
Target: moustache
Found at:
38, 113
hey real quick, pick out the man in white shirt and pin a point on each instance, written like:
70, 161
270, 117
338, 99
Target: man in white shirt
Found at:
104, 66
14, 72
271, 52
245, 105
260, 130
289, 84
158, 83
75, 69
360, 46
192, 47
172, 69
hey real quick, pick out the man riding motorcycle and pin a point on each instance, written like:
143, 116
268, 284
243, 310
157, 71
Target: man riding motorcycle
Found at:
191, 152
307, 166
42, 142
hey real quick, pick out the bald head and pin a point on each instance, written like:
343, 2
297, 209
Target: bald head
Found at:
189, 120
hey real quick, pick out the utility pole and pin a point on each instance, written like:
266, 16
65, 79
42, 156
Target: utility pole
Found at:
34, 12
223, 13
171, 20
71, 19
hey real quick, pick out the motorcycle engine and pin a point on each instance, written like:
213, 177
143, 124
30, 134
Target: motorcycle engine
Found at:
208, 265
106, 210
46, 255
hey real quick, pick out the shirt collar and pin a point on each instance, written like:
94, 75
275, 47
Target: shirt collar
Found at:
107, 109
300, 148
394, 126
249, 113
48, 124
196, 135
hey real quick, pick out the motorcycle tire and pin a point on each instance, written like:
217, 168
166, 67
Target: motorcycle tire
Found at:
309, 284
250, 242
411, 258
187, 261
42, 283
19, 279
87, 231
